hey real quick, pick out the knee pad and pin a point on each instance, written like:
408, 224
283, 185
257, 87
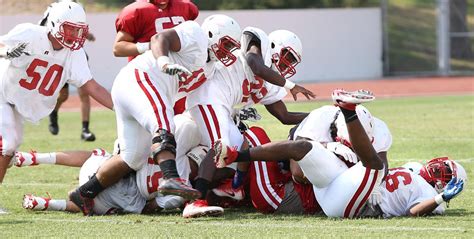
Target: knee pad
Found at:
163, 140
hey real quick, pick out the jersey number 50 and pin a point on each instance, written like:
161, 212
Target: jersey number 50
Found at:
45, 88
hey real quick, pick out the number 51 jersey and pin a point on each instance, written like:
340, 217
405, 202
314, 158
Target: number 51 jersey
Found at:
31, 82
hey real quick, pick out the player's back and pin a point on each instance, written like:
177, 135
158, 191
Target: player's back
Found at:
402, 189
31, 81
316, 126
382, 136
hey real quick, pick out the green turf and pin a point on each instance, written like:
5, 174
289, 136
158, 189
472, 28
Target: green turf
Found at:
422, 128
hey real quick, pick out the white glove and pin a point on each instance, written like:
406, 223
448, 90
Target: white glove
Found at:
375, 197
343, 151
15, 51
171, 68
198, 153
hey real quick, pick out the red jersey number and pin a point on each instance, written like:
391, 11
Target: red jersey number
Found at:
255, 90
393, 179
152, 182
46, 88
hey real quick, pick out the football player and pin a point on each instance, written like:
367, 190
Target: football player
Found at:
419, 190
135, 193
37, 62
144, 92
341, 191
234, 83
139, 21
53, 127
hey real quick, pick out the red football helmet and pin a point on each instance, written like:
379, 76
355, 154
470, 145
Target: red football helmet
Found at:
439, 171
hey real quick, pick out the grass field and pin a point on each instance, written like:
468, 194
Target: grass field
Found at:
422, 128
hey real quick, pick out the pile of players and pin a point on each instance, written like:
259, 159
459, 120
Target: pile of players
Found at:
335, 161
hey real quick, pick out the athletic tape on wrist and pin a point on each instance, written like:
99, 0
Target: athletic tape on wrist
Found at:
142, 47
289, 85
439, 199
162, 61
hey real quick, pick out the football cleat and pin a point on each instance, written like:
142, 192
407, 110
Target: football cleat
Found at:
53, 124
200, 208
88, 136
226, 190
177, 186
85, 204
349, 99
35, 203
224, 155
25, 159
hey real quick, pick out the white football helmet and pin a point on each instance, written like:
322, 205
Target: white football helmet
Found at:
286, 50
365, 118
224, 36
67, 23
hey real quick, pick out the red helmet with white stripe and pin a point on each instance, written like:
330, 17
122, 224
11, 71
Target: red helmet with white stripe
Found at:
439, 171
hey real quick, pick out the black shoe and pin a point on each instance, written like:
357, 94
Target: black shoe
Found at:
53, 124
86, 135
85, 204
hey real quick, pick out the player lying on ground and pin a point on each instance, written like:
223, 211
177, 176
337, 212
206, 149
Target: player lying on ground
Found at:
341, 191
38, 62
135, 193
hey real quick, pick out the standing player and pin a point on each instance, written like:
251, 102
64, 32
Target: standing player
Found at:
175, 62
237, 84
53, 127
139, 21
341, 191
38, 62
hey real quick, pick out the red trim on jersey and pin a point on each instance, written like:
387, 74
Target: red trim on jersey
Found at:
163, 106
206, 121
216, 122
265, 184
152, 102
357, 194
368, 193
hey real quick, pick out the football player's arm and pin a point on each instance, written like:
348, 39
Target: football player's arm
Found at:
423, 208
99, 93
161, 44
279, 110
257, 64
383, 157
72, 158
124, 45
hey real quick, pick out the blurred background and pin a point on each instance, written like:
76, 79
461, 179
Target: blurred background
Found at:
342, 39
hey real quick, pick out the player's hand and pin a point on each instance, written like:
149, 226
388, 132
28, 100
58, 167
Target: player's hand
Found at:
16, 51
249, 114
90, 37
300, 89
375, 197
342, 151
453, 188
175, 69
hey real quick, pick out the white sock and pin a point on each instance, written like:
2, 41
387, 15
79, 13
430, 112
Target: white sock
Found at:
46, 158
57, 205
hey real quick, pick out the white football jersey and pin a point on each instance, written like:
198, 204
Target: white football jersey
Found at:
402, 190
236, 84
192, 56
92, 164
147, 179
316, 126
32, 81
382, 136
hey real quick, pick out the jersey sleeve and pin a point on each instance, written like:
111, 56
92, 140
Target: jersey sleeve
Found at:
193, 12
193, 51
21, 33
420, 192
187, 32
80, 72
127, 21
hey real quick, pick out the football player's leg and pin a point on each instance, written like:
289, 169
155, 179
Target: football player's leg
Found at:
86, 134
187, 137
11, 135
67, 158
53, 117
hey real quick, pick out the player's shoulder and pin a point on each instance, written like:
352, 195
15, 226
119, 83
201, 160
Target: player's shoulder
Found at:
255, 32
137, 7
29, 28
191, 27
